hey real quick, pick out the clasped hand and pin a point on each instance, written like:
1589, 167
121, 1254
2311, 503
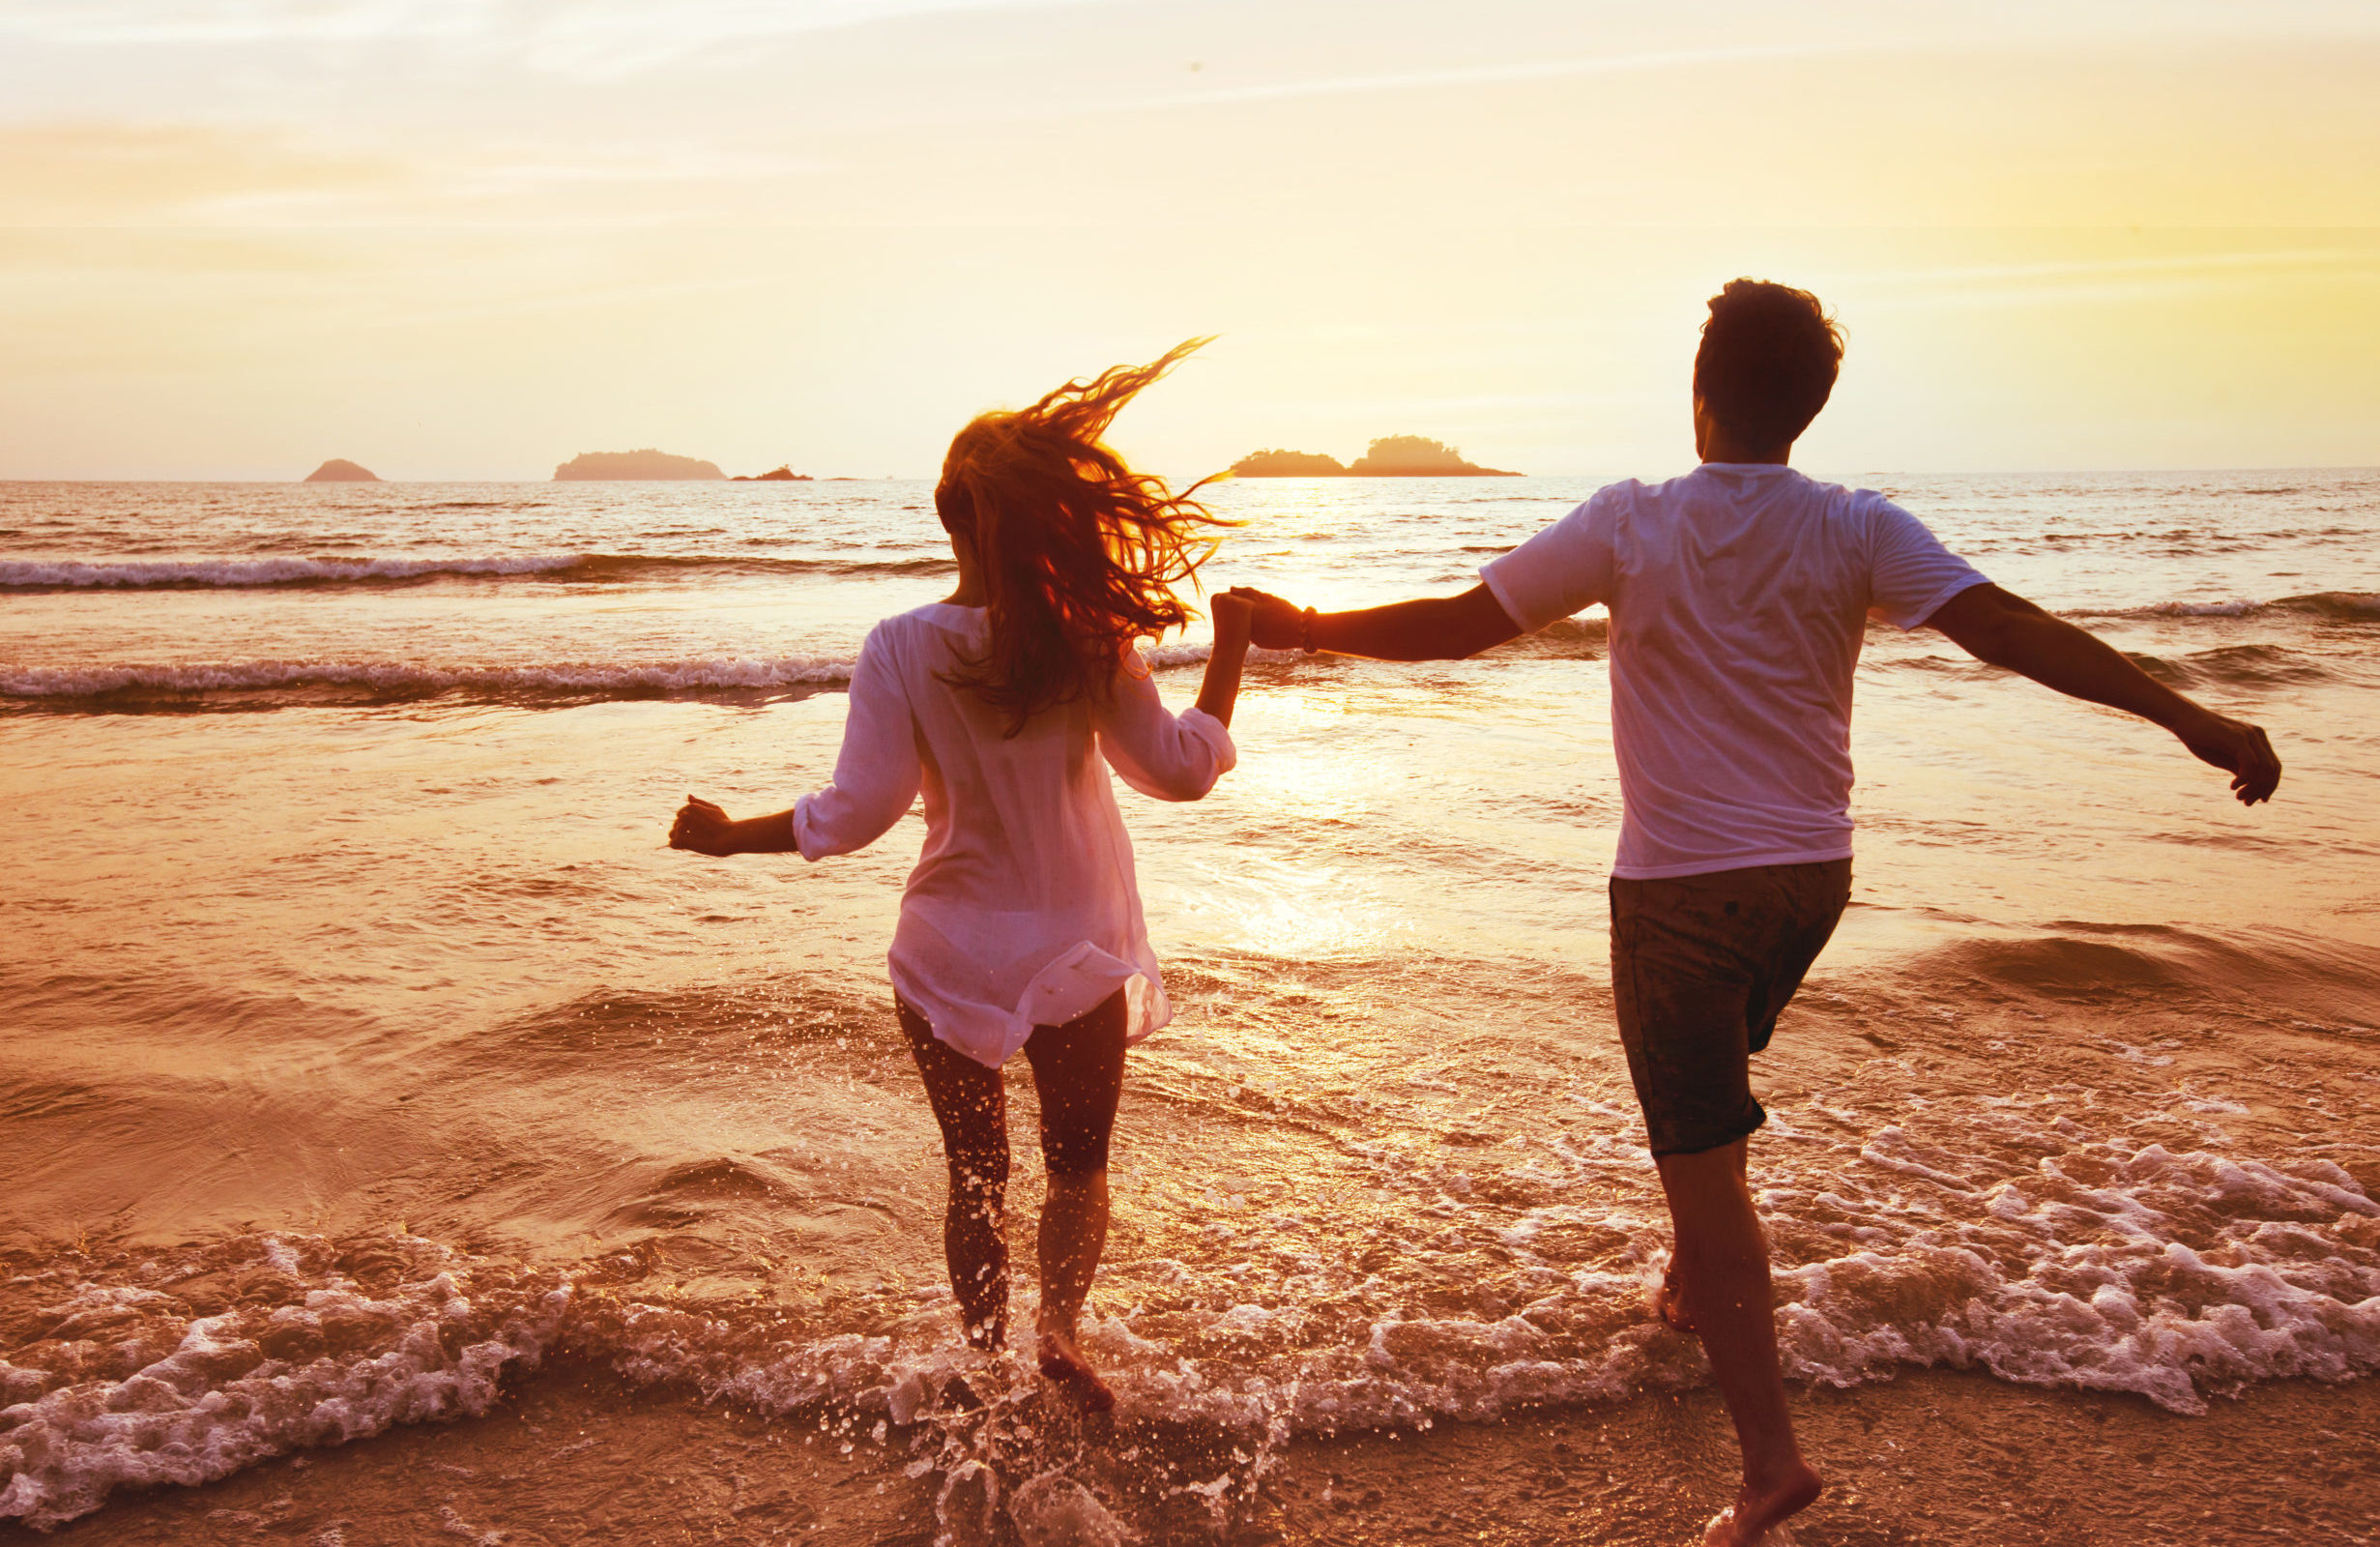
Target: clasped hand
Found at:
1273, 622
703, 828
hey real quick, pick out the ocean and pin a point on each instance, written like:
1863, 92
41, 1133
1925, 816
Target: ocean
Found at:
394, 1130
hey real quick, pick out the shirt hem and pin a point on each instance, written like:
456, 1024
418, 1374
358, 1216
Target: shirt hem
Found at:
1732, 862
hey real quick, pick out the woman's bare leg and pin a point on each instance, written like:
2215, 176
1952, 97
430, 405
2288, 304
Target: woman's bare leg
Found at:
1079, 1073
1074, 1232
970, 1106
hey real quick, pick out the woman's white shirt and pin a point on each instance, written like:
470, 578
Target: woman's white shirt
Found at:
1023, 910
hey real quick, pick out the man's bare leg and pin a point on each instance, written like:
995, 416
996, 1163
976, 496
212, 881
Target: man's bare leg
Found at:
1722, 1261
1074, 1232
1670, 1300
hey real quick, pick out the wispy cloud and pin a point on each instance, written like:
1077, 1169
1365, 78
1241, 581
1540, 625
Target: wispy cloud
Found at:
568, 37
2115, 278
105, 173
1505, 72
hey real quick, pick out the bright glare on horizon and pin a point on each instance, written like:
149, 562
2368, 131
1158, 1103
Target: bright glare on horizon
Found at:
474, 238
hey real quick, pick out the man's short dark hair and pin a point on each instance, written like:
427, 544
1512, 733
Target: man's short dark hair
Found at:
1768, 360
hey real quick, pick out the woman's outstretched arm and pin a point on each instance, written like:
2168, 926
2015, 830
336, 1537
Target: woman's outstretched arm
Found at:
705, 829
876, 780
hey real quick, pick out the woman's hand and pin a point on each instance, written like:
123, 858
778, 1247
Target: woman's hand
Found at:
704, 828
1273, 624
1234, 616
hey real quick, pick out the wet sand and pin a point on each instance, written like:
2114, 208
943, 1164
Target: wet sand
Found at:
1934, 1457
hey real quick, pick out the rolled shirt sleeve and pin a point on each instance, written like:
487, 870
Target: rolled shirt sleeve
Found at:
1563, 570
877, 772
1163, 755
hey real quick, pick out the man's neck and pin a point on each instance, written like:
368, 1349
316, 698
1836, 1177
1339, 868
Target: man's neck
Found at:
1720, 450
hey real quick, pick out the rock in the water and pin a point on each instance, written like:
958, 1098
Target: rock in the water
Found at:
645, 464
340, 470
780, 474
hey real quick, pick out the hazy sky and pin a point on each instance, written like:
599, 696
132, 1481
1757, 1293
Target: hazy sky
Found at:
472, 238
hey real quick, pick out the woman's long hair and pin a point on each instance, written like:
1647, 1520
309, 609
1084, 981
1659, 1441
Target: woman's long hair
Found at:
1080, 554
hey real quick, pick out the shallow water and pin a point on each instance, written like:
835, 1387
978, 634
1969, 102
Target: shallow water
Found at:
359, 1045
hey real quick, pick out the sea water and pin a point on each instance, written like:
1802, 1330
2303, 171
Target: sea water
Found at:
362, 1045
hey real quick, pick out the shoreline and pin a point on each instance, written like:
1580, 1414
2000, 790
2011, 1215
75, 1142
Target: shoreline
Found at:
1957, 1458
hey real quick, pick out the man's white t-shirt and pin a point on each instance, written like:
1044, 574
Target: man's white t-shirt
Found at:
1739, 596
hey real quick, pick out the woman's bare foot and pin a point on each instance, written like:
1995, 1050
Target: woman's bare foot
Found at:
1757, 1517
1064, 1366
1670, 1302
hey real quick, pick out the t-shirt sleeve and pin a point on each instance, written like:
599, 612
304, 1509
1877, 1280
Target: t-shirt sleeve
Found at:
1564, 568
1910, 574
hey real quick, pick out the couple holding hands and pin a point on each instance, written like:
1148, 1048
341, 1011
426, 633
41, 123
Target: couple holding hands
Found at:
1739, 595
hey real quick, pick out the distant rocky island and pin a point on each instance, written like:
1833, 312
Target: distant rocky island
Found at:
340, 470
645, 464
782, 474
1389, 457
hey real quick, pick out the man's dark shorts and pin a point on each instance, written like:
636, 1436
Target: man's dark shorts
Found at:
1701, 968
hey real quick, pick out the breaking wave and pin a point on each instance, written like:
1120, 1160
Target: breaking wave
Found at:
160, 574
103, 686
114, 685
2337, 607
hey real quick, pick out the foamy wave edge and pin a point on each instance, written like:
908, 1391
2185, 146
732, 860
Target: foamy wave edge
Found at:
244, 1384
147, 573
405, 679
2343, 605
224, 573
2088, 1287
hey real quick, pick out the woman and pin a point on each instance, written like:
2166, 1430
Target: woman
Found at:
1021, 926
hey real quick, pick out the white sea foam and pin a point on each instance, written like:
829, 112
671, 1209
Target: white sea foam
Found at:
2001, 1238
1053, 1510
410, 678
133, 574
311, 1357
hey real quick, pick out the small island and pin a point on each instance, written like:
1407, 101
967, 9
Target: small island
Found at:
781, 474
1389, 457
340, 470
1289, 464
647, 464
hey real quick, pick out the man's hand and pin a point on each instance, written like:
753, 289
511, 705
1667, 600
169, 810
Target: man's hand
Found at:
704, 828
2237, 747
1272, 622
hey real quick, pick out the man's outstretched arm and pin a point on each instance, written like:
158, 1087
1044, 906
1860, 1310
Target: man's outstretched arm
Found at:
1431, 628
2007, 631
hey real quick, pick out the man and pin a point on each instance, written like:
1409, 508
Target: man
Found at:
1739, 595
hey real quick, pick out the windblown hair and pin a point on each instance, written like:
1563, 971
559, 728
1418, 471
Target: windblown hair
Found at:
1080, 553
1768, 360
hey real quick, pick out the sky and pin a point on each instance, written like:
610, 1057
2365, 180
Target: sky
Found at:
469, 239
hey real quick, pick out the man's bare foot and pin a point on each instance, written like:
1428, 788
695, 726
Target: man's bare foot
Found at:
1670, 1302
1064, 1366
1757, 1517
